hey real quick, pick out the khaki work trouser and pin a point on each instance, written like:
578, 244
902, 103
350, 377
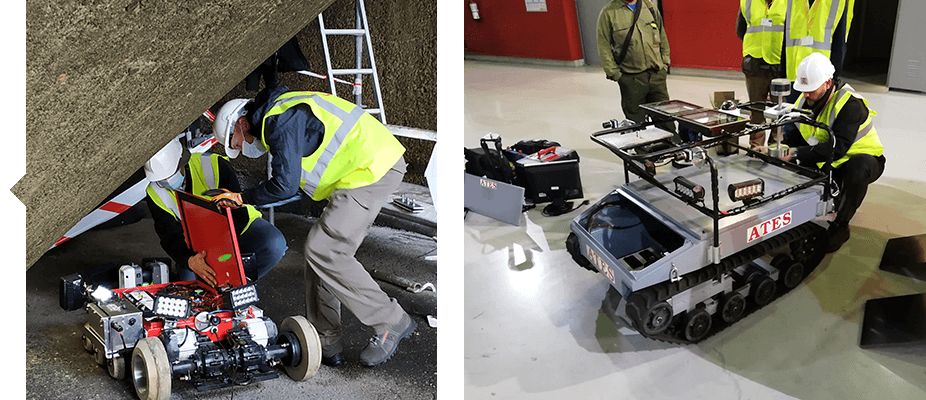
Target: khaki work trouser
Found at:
333, 276
645, 87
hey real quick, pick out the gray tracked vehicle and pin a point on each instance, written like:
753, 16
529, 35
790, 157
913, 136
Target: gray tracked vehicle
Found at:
694, 249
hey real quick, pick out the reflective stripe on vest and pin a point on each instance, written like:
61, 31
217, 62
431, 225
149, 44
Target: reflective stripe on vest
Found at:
765, 27
207, 167
165, 199
811, 21
748, 16
348, 122
365, 156
808, 32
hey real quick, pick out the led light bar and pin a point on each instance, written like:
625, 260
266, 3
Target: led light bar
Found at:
688, 189
241, 296
174, 307
747, 190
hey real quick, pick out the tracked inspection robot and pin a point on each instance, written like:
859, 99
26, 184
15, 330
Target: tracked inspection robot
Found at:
692, 250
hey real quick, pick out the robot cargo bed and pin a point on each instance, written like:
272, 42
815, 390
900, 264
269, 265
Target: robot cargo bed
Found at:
639, 235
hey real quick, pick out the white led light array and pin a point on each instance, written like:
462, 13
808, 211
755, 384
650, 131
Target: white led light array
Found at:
748, 191
172, 307
685, 191
688, 189
242, 296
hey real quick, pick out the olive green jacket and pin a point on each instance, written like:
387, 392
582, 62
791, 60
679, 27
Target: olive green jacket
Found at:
649, 47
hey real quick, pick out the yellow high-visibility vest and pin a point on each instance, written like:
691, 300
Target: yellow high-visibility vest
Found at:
204, 174
811, 29
765, 29
356, 150
866, 142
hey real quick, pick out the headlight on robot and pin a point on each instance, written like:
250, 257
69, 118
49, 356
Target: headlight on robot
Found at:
747, 190
101, 294
241, 296
688, 189
173, 307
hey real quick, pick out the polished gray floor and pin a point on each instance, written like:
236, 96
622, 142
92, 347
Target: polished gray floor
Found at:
532, 321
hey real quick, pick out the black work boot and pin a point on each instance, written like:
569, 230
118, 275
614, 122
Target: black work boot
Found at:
331, 349
383, 346
838, 234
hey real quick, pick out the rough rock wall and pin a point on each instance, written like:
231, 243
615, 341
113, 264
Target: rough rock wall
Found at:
404, 37
109, 82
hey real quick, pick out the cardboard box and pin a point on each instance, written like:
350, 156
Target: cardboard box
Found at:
720, 97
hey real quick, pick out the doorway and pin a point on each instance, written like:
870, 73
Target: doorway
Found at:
871, 38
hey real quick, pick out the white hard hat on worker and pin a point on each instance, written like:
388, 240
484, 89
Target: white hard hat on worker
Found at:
165, 167
232, 129
814, 76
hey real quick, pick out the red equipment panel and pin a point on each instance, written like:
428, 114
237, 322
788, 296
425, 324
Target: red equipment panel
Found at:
210, 229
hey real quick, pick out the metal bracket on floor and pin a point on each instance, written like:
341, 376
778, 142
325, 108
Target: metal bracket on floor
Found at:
418, 288
401, 282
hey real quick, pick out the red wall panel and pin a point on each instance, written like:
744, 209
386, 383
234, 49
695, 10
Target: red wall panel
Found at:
507, 29
702, 34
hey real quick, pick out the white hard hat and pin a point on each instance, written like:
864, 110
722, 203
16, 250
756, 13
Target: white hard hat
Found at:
165, 162
812, 72
225, 121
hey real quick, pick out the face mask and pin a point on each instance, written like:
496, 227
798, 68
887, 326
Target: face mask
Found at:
174, 182
253, 150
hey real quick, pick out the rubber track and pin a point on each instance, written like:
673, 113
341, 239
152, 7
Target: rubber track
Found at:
665, 290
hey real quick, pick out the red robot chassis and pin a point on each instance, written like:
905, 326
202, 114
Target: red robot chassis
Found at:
211, 336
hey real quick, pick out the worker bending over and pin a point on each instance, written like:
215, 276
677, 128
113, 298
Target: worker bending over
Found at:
331, 149
857, 152
172, 168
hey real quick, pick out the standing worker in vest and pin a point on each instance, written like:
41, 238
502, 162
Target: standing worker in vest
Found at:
760, 25
857, 153
172, 168
331, 149
640, 67
817, 26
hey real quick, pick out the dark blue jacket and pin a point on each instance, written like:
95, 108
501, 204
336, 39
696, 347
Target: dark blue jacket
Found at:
290, 136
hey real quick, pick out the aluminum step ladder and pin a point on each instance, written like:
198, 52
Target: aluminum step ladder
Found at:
362, 33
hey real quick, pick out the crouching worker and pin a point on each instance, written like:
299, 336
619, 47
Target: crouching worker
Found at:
858, 158
173, 168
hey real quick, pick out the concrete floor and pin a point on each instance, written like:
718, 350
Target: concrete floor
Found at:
532, 321
57, 367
